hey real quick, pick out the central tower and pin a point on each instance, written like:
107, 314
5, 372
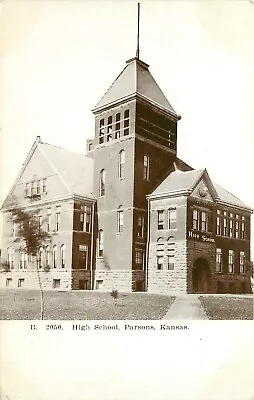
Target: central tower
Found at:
134, 149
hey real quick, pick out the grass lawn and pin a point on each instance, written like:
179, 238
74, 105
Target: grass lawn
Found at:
226, 307
82, 305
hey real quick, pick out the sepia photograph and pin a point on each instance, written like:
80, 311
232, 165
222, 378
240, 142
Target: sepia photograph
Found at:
126, 196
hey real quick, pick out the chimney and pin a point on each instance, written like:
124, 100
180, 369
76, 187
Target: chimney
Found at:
38, 139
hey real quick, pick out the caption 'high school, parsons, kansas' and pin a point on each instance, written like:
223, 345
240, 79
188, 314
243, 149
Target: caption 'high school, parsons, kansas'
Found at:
129, 215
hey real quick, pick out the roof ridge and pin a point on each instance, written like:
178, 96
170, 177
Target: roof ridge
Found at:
62, 148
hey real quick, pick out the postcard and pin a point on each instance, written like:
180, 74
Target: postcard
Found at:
126, 237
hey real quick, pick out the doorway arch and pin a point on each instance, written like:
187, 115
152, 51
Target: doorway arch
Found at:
201, 276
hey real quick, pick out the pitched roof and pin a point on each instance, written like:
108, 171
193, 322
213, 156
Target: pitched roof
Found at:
76, 170
227, 197
179, 181
135, 79
183, 181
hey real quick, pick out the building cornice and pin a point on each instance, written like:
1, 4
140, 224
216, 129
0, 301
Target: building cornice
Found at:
225, 204
187, 192
42, 203
142, 98
178, 193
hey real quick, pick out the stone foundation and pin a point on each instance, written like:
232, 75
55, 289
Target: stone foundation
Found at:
122, 280
28, 279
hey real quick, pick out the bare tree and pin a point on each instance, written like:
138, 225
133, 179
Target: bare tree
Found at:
34, 236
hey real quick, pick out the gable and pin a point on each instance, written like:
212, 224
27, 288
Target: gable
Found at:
202, 191
35, 169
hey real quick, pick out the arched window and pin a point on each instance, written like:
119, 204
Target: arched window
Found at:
10, 257
160, 253
120, 220
39, 258
171, 246
121, 164
102, 182
47, 258
101, 243
55, 256
146, 168
62, 256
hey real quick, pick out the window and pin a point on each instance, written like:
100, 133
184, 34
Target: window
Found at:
10, 257
56, 283
33, 189
204, 219
120, 219
38, 187
109, 129
160, 253
225, 224
218, 260
44, 187
102, 182
218, 228
141, 223
195, 219
160, 219
101, 243
139, 259
23, 259
57, 227
47, 257
117, 126
170, 253
8, 282
98, 284
121, 164
146, 168
126, 122
242, 262
172, 218
83, 256
237, 228
55, 256
21, 282
85, 218
231, 231
230, 261
101, 131
243, 228
62, 256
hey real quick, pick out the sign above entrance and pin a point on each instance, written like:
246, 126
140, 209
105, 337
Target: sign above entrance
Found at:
200, 237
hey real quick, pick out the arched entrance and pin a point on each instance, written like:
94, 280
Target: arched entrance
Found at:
201, 276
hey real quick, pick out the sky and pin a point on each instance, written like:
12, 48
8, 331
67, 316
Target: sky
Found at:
57, 59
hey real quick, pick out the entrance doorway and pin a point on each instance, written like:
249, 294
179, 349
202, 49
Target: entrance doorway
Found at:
201, 276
